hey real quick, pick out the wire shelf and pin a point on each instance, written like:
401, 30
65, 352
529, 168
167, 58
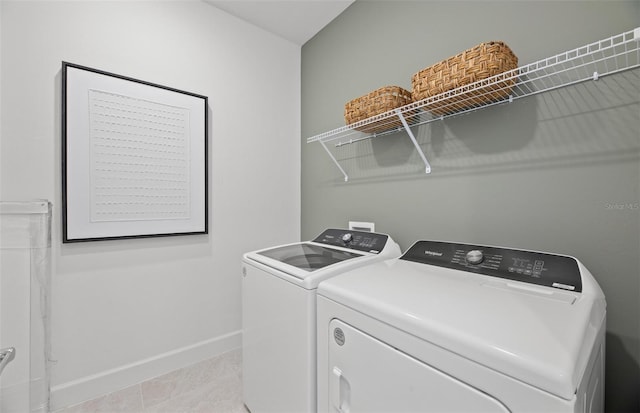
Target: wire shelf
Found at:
587, 63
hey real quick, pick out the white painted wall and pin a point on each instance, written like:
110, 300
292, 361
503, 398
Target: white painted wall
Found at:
127, 310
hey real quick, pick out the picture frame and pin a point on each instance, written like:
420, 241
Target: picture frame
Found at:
134, 158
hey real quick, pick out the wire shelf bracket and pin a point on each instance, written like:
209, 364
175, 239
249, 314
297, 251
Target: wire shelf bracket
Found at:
415, 142
586, 63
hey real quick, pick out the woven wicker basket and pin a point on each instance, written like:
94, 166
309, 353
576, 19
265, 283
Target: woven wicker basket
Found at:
374, 103
478, 63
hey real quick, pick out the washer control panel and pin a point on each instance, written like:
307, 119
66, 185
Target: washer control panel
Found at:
356, 240
557, 271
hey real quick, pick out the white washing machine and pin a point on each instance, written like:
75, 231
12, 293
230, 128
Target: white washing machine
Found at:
279, 313
454, 327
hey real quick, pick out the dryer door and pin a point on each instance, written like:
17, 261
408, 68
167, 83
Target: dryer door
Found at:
367, 375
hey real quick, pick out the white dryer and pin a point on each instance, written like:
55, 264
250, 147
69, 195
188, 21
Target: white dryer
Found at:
279, 313
454, 327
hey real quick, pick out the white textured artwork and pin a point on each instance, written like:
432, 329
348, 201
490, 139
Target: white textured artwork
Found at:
140, 159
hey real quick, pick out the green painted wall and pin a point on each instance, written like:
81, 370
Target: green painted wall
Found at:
556, 172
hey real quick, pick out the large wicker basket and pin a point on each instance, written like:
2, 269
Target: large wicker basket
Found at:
374, 103
475, 64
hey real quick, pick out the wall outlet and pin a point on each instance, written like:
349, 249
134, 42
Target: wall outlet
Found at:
362, 226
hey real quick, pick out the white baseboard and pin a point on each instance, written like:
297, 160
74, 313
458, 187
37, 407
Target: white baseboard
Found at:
90, 387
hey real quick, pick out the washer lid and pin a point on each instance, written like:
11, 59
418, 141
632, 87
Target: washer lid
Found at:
308, 257
539, 335
330, 253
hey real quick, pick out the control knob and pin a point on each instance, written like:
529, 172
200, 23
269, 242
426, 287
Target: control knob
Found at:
475, 257
347, 238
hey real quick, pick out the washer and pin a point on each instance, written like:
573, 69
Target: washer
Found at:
460, 327
279, 313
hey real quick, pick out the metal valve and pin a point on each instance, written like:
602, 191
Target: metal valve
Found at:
6, 355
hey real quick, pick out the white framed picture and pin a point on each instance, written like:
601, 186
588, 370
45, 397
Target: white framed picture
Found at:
134, 158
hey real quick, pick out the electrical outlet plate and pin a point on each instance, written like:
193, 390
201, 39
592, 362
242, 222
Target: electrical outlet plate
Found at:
362, 226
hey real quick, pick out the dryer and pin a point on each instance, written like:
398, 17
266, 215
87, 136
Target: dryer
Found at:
279, 313
459, 327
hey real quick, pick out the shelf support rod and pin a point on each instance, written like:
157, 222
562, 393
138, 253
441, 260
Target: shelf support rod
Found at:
415, 142
333, 158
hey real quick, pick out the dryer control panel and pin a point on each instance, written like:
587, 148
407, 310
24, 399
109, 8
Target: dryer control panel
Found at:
557, 271
362, 241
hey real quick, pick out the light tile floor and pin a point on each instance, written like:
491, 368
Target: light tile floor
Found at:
211, 386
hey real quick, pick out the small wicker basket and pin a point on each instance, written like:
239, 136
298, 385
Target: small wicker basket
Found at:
475, 64
374, 103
